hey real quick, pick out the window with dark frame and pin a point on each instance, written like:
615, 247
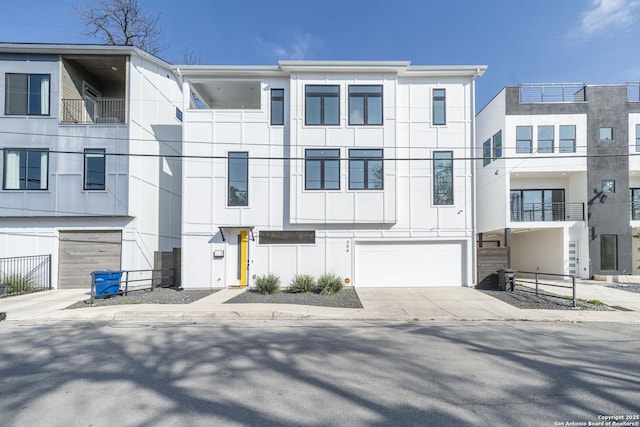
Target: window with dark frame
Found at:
545, 139
277, 107
486, 152
567, 143
443, 178
322, 169
26, 169
27, 94
537, 205
94, 169
634, 197
608, 252
238, 178
497, 145
365, 105
366, 171
439, 107
268, 237
322, 105
524, 139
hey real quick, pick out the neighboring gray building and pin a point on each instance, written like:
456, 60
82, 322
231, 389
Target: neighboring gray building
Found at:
558, 177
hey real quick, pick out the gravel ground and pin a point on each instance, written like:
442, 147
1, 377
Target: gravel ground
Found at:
525, 297
158, 296
631, 287
346, 298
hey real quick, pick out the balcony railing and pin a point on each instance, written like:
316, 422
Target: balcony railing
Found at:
98, 110
552, 92
553, 211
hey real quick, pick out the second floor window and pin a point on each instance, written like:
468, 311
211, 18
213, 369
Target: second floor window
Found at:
238, 178
567, 139
322, 169
497, 145
443, 178
27, 94
94, 169
365, 105
524, 136
26, 169
637, 138
277, 107
439, 107
486, 152
322, 105
545, 139
365, 170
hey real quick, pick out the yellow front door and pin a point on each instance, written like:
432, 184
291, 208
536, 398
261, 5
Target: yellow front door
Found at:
243, 250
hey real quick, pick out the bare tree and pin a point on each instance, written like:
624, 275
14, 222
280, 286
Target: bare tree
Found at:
121, 22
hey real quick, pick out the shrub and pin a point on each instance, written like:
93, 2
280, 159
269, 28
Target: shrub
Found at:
329, 284
303, 283
268, 284
17, 283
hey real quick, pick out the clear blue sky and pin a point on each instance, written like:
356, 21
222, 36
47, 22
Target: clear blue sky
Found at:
591, 41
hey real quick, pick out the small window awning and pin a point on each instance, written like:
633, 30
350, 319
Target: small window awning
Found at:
222, 229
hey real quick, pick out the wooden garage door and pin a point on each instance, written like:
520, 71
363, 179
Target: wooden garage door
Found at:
82, 252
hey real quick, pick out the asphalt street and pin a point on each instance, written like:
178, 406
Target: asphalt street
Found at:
317, 373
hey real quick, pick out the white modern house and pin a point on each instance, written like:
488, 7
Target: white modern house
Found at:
91, 171
559, 177
361, 169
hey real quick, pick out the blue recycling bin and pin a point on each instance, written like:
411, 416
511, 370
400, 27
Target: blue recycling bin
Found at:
106, 282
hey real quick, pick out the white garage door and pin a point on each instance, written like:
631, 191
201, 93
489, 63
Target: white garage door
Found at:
399, 264
82, 252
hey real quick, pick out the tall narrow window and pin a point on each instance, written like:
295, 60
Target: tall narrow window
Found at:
524, 136
27, 94
637, 138
322, 169
634, 196
443, 178
365, 105
94, 169
322, 105
608, 252
238, 181
545, 139
26, 169
567, 139
486, 152
277, 107
497, 145
365, 170
439, 107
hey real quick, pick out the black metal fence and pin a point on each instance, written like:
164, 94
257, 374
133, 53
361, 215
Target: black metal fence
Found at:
539, 279
25, 274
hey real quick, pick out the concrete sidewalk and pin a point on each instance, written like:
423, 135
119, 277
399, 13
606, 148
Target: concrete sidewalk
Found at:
392, 304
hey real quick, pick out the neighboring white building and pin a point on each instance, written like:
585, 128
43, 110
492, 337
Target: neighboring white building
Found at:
90, 140
362, 169
556, 176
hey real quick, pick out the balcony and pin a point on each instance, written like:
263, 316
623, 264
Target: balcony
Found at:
547, 212
93, 111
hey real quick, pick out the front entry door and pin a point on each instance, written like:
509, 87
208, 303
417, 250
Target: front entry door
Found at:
242, 240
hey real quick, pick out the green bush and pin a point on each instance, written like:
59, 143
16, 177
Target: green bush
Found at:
303, 283
329, 284
17, 283
268, 284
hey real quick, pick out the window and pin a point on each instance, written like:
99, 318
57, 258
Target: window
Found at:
634, 196
486, 152
637, 138
497, 145
439, 107
365, 170
537, 205
608, 186
284, 237
277, 107
567, 139
322, 169
608, 252
365, 105
443, 178
94, 169
322, 105
606, 134
178, 114
238, 182
27, 94
523, 139
545, 139
26, 169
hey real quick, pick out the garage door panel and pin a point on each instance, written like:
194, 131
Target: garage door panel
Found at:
389, 264
82, 252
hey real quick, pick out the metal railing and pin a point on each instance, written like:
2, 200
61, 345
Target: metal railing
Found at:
538, 282
25, 274
633, 91
551, 211
138, 280
552, 92
97, 111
